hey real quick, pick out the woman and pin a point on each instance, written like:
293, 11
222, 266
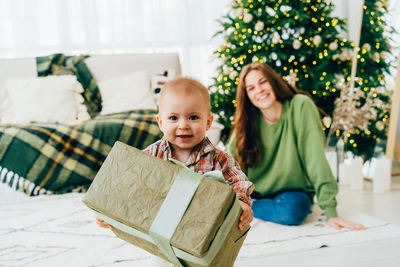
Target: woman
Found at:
278, 139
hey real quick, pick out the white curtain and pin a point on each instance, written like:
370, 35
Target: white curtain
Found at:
29, 28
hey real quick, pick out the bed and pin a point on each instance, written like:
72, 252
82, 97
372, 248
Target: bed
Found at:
53, 157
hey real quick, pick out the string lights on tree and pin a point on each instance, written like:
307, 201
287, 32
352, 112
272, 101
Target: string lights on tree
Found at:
373, 67
292, 36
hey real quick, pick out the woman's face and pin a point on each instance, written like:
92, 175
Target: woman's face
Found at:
259, 90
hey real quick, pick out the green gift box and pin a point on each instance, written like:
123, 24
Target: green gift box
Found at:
184, 217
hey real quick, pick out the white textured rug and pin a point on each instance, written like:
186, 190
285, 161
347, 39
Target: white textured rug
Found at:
60, 231
267, 238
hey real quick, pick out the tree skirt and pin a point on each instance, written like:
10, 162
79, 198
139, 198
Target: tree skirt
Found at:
52, 230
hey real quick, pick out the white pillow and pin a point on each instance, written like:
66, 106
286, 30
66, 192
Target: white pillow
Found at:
6, 112
127, 92
43, 99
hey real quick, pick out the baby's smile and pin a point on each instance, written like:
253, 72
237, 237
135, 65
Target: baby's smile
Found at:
184, 137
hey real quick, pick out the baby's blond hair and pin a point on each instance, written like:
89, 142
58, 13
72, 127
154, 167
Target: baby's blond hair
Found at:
185, 86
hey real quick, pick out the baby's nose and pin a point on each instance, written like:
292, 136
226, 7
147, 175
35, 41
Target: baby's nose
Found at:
183, 124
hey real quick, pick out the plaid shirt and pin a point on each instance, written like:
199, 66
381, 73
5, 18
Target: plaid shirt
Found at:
204, 158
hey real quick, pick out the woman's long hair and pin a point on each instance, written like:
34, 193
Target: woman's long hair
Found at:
246, 126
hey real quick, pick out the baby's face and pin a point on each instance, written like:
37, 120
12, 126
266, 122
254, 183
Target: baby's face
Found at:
184, 119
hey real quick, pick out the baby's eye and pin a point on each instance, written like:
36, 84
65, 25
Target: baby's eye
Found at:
194, 117
173, 118
248, 89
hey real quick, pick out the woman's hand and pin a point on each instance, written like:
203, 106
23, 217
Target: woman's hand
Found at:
102, 223
338, 223
247, 215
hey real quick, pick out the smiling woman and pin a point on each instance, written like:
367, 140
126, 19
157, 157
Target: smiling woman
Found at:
261, 94
278, 140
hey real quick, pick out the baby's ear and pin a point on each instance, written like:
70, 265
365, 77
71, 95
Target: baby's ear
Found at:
159, 121
210, 120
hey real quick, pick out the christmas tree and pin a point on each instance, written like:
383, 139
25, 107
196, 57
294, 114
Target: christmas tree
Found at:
373, 67
291, 36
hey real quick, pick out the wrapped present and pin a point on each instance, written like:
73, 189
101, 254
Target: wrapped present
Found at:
184, 217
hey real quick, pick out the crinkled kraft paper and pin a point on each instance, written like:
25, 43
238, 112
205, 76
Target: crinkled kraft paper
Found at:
130, 188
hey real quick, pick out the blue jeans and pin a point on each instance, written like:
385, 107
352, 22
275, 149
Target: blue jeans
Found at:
288, 208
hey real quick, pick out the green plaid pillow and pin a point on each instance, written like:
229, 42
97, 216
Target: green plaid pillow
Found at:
58, 63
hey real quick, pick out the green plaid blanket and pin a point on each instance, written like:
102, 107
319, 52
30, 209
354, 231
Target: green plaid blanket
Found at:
57, 158
59, 64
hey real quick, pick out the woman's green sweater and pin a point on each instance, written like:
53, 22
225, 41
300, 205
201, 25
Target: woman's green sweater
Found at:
293, 157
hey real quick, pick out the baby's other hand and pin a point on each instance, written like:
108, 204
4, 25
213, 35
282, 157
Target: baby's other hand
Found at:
247, 215
102, 223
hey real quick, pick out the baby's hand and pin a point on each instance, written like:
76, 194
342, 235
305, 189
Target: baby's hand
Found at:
247, 215
102, 223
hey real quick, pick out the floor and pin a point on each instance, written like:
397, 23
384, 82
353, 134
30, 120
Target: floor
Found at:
377, 253
373, 253
385, 206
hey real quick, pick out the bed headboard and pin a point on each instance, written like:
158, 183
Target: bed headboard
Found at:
102, 66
